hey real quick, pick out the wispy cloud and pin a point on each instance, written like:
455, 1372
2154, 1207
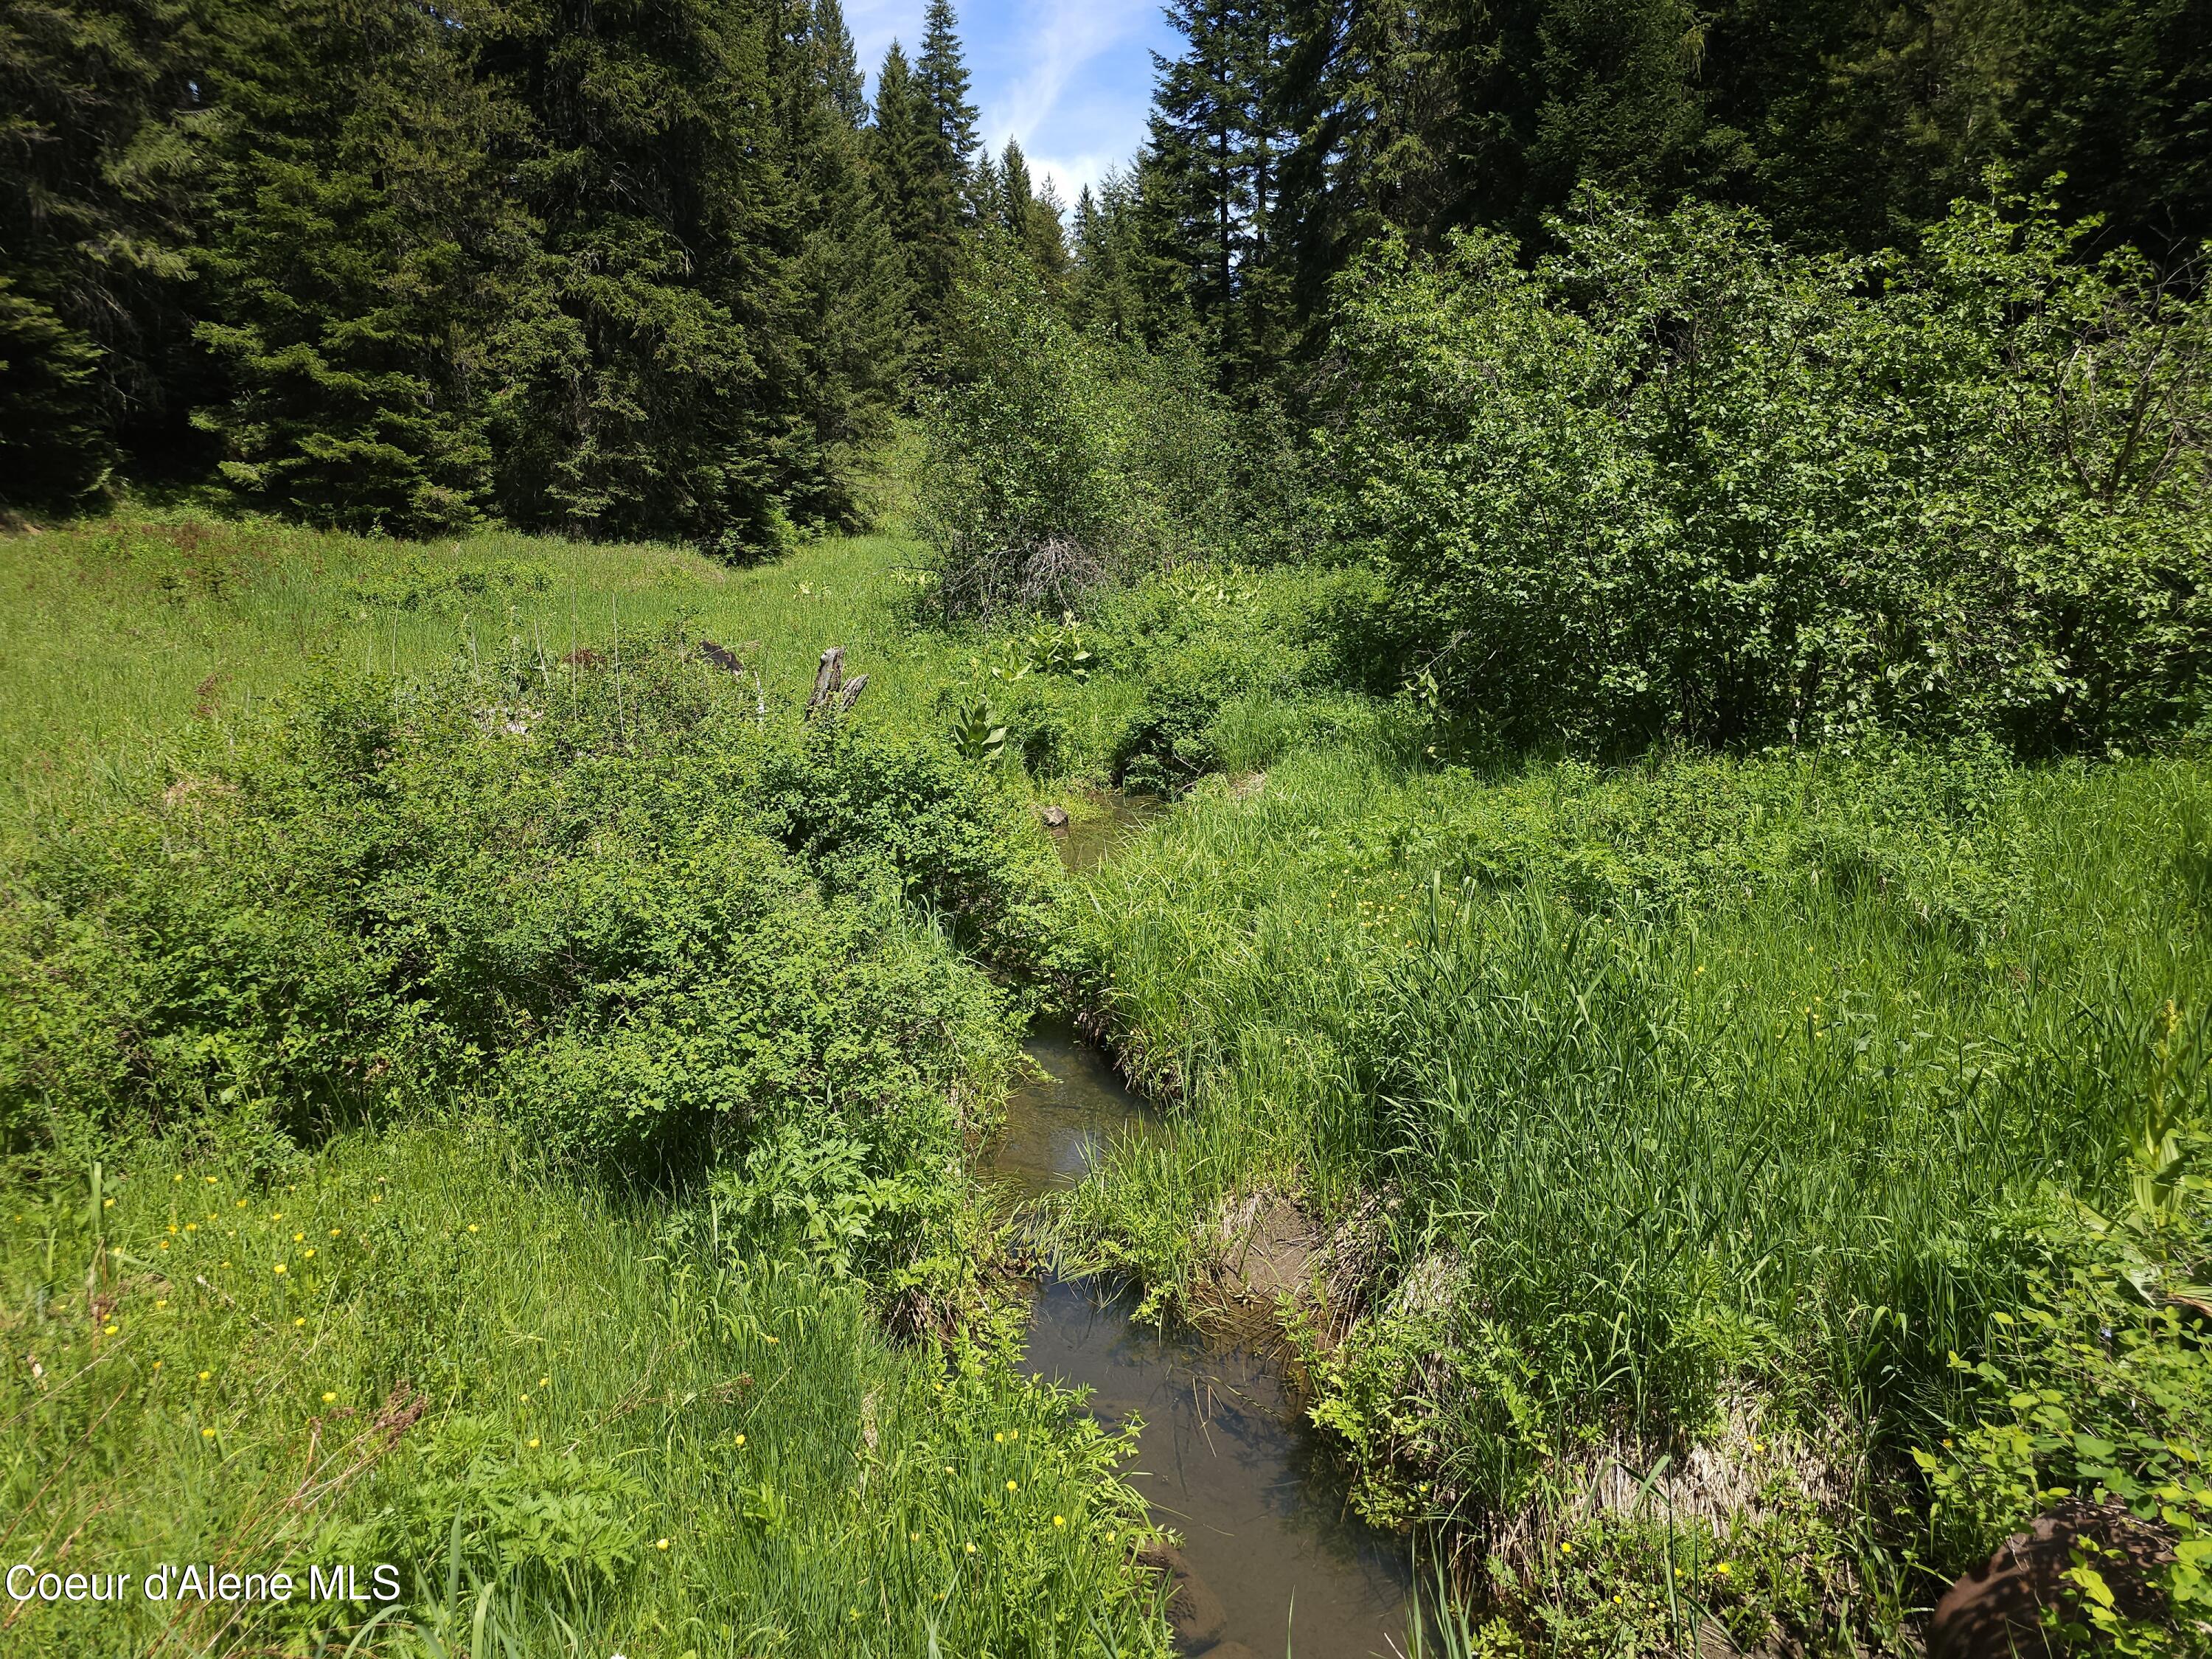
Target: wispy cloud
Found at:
1070, 79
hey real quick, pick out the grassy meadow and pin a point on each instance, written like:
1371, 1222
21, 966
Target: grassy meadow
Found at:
573, 1427
120, 636
489, 1092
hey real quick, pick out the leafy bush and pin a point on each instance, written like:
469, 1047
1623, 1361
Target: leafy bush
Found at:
574, 889
1206, 668
1676, 480
1058, 461
2101, 1391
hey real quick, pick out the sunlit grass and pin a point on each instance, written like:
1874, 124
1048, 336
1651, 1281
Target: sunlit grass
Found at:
328, 1361
116, 635
1680, 1079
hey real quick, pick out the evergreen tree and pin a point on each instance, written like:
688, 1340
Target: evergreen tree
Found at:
1623, 103
941, 73
840, 63
1210, 164
945, 209
643, 395
54, 449
99, 195
358, 242
922, 155
2116, 95
898, 150
842, 351
1032, 219
1127, 273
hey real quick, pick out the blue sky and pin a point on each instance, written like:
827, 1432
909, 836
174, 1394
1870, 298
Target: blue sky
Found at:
1071, 79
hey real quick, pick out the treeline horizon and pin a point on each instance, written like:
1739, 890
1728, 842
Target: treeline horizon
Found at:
620, 271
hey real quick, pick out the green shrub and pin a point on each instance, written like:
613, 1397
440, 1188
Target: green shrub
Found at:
859, 805
1058, 462
2100, 1389
1677, 481
574, 890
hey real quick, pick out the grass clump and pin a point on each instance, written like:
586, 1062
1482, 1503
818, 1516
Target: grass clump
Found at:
610, 1426
1707, 1103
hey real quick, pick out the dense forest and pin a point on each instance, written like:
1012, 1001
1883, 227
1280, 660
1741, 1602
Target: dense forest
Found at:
1437, 880
628, 269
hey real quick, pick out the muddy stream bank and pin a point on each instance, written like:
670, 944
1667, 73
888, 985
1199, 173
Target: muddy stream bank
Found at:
1273, 1562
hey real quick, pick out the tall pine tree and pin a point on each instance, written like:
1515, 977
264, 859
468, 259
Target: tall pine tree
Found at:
842, 350
101, 190
357, 260
1211, 165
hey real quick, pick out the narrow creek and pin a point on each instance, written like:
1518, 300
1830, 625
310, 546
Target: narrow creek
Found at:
1276, 1563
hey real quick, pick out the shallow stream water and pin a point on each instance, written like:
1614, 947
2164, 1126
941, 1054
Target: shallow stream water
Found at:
1224, 1458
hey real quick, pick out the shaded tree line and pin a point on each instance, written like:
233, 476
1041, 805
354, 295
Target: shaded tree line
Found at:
1288, 135
601, 267
610, 268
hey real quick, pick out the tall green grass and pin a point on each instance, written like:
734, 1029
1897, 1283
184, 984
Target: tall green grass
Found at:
421, 1348
578, 1422
1681, 1080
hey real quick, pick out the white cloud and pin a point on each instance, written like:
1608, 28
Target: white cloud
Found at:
1070, 79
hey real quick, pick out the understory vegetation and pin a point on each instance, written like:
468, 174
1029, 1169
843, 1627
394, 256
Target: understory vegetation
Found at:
1684, 920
